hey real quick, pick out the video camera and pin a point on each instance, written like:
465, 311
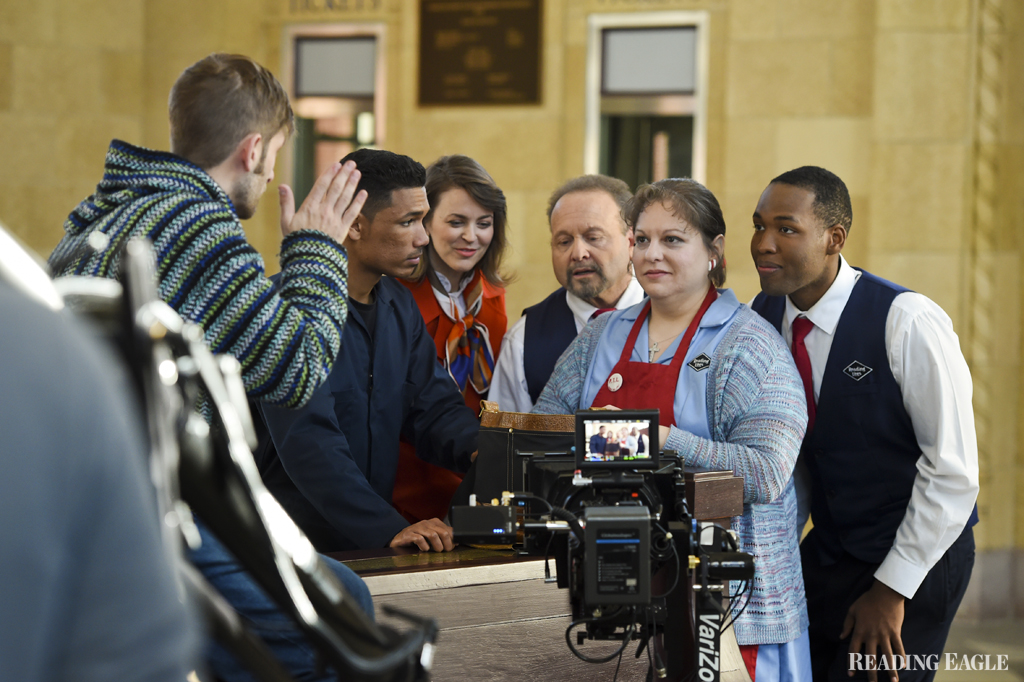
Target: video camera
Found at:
613, 514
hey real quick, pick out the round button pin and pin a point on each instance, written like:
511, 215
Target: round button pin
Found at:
615, 382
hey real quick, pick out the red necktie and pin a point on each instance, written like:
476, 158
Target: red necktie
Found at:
801, 326
599, 312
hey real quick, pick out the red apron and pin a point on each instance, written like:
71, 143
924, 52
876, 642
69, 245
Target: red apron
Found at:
646, 385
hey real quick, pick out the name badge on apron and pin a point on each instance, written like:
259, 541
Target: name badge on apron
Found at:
615, 382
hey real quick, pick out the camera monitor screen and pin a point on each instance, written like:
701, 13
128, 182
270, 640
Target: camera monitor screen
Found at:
624, 439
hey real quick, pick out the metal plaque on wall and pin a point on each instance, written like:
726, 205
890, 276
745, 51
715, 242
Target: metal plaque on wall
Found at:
480, 52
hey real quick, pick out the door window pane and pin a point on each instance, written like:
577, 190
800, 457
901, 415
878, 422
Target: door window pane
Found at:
335, 67
649, 60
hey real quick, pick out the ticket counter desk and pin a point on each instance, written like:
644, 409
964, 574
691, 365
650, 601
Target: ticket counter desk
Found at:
498, 618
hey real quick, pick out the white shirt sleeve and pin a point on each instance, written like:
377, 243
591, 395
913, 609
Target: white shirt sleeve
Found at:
508, 382
926, 361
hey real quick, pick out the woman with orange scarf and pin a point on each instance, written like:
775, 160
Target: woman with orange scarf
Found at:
460, 293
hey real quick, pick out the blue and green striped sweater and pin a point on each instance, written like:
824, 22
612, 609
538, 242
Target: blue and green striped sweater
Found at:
286, 338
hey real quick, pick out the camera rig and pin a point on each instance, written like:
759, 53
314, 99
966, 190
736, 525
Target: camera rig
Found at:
205, 465
636, 563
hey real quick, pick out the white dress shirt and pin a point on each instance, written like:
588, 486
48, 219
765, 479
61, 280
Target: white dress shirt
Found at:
925, 359
508, 384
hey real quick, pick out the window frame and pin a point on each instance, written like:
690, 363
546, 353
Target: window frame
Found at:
696, 104
293, 32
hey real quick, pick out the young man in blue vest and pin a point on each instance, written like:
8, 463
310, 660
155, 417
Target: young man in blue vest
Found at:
891, 452
591, 249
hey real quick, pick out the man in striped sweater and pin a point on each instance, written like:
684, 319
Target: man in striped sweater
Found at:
229, 117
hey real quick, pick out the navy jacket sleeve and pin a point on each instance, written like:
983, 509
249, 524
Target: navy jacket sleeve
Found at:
315, 454
437, 420
340, 453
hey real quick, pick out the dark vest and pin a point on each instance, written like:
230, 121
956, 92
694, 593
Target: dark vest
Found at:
862, 453
550, 328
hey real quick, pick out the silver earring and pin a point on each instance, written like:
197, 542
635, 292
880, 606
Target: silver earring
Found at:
711, 265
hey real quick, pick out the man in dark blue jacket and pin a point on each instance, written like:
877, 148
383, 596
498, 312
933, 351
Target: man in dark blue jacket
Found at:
332, 464
597, 443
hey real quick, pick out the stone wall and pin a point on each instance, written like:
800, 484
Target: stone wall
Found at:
70, 81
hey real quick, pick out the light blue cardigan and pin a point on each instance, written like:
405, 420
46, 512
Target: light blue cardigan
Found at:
758, 414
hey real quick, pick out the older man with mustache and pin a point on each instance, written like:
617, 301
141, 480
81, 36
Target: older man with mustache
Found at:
591, 250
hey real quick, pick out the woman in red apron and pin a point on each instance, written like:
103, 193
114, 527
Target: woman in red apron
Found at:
727, 391
460, 293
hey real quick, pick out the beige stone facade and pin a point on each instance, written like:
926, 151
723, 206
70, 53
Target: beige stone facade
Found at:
917, 104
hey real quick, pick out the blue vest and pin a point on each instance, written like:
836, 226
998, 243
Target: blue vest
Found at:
862, 453
550, 328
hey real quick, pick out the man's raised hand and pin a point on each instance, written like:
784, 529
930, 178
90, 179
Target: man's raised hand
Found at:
331, 206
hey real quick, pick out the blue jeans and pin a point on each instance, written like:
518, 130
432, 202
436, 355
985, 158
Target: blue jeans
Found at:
277, 629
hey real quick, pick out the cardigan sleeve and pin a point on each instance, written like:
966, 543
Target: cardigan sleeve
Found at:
759, 412
757, 403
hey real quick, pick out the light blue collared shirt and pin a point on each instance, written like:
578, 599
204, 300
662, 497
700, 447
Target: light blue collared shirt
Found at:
691, 390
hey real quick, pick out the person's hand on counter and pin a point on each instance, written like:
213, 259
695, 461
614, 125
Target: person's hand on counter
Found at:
432, 534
